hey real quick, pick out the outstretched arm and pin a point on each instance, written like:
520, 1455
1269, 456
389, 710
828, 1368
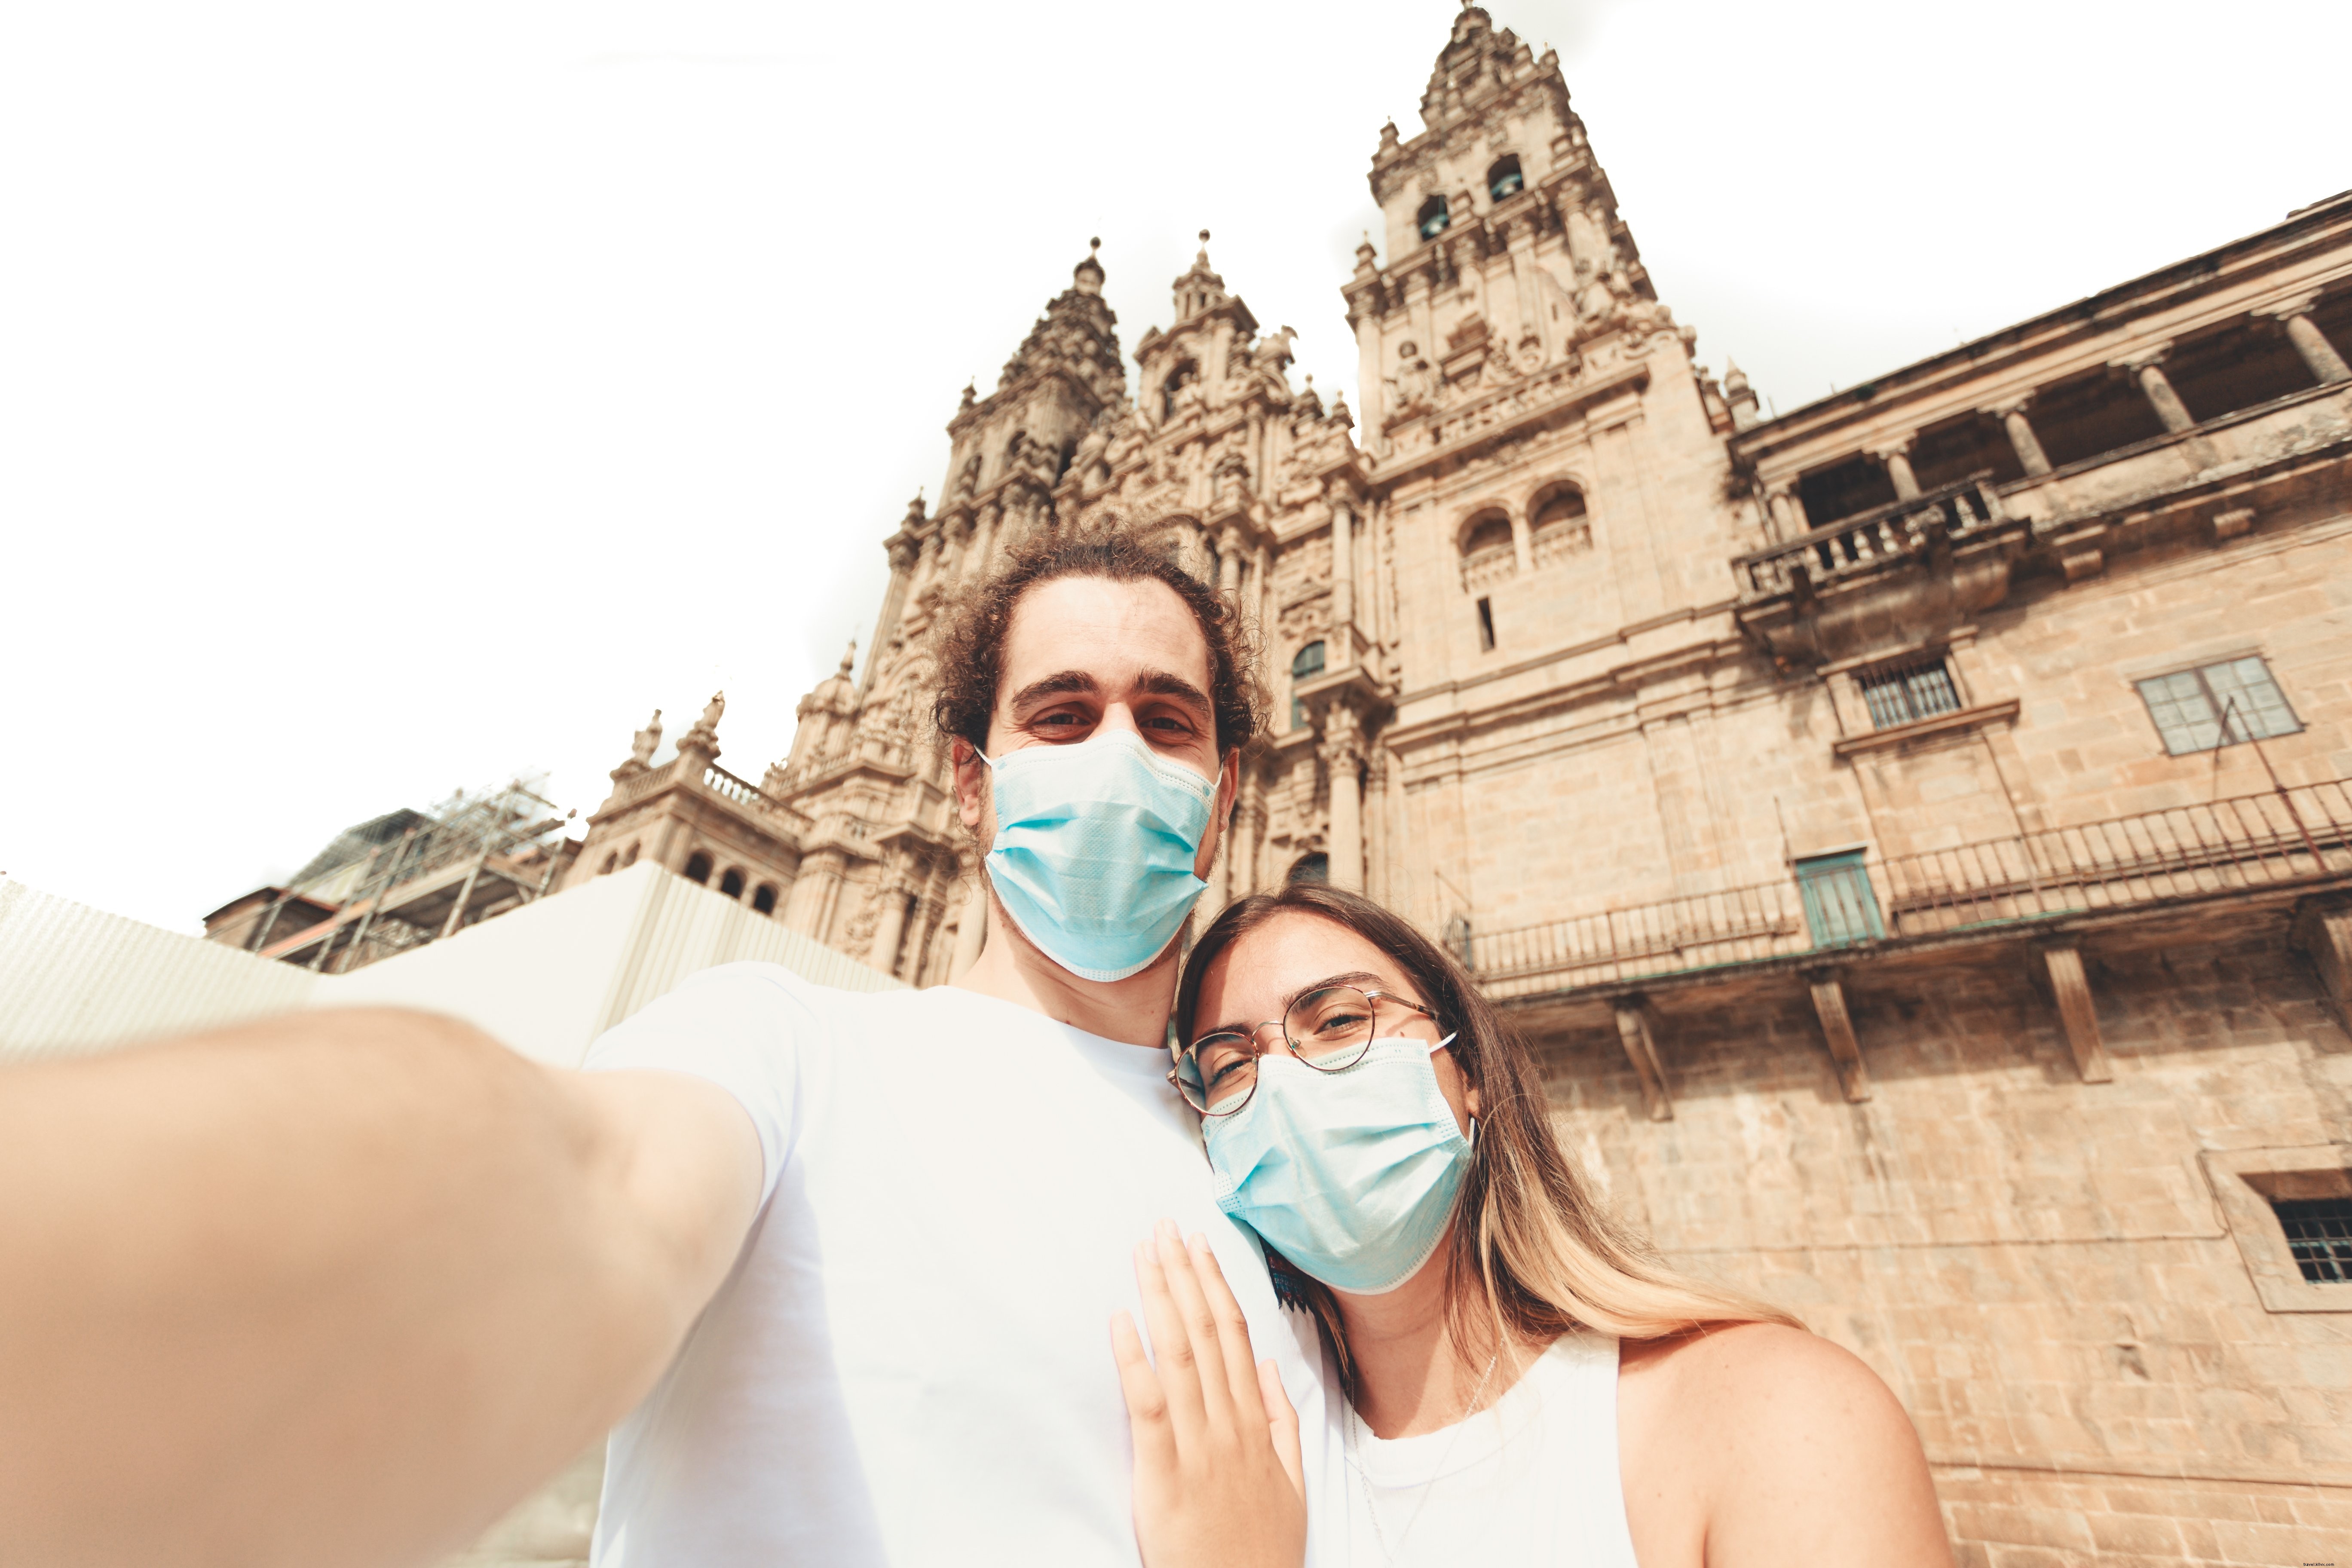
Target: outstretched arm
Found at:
338, 1287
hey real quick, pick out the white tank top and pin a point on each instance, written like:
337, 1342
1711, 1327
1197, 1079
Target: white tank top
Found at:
1532, 1479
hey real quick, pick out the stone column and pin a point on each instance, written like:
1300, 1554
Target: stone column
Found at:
2147, 368
927, 558
1339, 653
806, 903
904, 553
1523, 550
2027, 445
983, 542
1787, 520
2327, 365
971, 926
1236, 853
892, 924
1343, 759
1897, 458
1229, 566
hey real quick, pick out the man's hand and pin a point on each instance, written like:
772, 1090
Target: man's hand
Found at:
1217, 1473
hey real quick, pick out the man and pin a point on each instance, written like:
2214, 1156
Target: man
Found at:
338, 1288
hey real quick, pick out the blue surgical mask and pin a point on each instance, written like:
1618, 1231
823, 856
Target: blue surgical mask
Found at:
1352, 1176
1094, 852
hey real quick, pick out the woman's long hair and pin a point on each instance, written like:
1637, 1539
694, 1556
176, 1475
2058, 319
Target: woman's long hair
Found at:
1547, 1256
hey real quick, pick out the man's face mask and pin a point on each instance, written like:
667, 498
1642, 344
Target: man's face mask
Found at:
1094, 847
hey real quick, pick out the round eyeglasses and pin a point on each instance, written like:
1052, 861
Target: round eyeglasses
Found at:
1329, 1028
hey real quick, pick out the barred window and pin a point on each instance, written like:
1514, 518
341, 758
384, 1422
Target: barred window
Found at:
1905, 694
2218, 705
2319, 1232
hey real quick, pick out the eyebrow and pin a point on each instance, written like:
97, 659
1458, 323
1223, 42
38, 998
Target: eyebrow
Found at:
1076, 682
1062, 683
1354, 978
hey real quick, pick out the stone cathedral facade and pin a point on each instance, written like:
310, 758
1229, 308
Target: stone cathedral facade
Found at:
1914, 829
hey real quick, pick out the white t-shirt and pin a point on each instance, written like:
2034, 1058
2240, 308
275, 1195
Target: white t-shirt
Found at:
1532, 1480
911, 1363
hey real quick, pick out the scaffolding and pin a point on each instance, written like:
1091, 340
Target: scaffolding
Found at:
408, 877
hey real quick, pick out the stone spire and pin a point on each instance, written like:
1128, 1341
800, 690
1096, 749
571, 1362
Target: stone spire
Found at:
703, 738
641, 747
1078, 335
1200, 288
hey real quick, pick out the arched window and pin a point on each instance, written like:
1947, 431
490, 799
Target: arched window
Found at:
631, 858
697, 868
1310, 868
611, 862
1563, 505
1493, 532
1559, 529
764, 900
1432, 217
1504, 181
732, 884
1306, 663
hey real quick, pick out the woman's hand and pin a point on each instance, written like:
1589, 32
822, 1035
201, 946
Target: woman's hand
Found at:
1217, 1473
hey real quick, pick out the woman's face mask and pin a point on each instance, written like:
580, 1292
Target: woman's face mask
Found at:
1354, 1174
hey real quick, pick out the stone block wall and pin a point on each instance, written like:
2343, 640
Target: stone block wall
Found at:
2036, 1265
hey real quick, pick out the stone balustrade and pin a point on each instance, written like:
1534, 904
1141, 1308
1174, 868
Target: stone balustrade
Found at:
1883, 533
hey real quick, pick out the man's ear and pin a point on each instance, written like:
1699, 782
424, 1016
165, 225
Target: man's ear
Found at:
970, 782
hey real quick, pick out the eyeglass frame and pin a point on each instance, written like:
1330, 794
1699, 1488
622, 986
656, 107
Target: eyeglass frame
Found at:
1258, 1050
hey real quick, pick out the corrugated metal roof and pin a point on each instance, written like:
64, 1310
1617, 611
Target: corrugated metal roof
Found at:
547, 978
77, 979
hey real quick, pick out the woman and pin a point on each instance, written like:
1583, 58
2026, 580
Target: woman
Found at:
1526, 1383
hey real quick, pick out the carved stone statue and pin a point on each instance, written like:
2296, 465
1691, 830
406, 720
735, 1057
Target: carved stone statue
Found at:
711, 713
641, 750
1413, 389
1272, 353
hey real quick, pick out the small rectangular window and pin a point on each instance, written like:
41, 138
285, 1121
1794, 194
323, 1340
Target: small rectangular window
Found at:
1840, 906
2218, 705
2319, 1233
1907, 693
1485, 625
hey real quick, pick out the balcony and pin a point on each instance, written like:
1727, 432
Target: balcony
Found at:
2283, 840
1895, 532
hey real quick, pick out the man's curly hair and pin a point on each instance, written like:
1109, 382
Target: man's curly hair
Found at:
970, 647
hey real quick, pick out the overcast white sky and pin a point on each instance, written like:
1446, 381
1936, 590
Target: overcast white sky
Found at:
394, 398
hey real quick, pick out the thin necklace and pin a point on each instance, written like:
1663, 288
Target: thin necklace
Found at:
1421, 1500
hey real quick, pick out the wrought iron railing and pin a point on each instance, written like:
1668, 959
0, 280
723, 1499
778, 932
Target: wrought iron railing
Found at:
1740, 926
2286, 835
1883, 532
2294, 834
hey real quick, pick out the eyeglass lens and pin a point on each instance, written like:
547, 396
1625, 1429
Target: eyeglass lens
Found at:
1328, 1029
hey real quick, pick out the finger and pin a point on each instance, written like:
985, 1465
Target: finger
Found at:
1282, 1424
1200, 1328
1171, 1348
1233, 1335
1147, 1404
